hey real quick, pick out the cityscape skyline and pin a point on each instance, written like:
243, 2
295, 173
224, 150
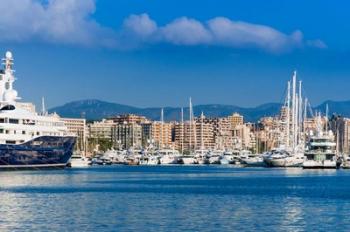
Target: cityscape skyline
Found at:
136, 55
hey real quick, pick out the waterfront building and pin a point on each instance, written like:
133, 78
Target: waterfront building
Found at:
100, 135
185, 136
236, 119
271, 133
127, 135
205, 133
340, 127
161, 134
101, 129
223, 132
77, 126
179, 136
243, 137
129, 118
146, 139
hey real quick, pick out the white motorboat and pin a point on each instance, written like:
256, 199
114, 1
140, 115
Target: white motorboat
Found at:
202, 156
78, 161
214, 159
168, 156
253, 160
153, 160
116, 156
346, 162
215, 156
143, 160
228, 158
282, 158
189, 160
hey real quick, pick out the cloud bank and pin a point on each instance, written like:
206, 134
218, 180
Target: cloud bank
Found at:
219, 31
72, 22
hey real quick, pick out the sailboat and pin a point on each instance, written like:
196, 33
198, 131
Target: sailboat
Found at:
291, 153
190, 159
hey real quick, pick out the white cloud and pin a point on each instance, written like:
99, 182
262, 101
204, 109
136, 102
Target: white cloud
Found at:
316, 44
140, 25
245, 35
185, 31
72, 22
219, 31
64, 21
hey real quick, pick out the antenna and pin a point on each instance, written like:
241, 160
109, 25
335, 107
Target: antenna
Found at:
162, 115
43, 109
327, 112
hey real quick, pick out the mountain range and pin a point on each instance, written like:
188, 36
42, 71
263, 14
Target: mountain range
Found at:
93, 109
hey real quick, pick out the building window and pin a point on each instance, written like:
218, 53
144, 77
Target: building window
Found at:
13, 121
2, 120
23, 132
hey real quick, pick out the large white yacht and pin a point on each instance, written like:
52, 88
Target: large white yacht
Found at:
321, 152
29, 139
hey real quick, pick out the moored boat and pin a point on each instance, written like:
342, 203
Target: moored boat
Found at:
29, 139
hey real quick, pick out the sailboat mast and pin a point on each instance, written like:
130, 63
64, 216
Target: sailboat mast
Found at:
296, 123
161, 127
327, 116
288, 117
190, 133
300, 109
305, 114
182, 130
294, 109
202, 144
300, 115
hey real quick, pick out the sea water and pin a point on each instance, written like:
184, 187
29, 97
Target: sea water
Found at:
175, 198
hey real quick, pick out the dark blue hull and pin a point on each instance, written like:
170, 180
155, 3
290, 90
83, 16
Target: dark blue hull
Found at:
41, 152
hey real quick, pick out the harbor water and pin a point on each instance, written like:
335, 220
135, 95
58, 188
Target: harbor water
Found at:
175, 198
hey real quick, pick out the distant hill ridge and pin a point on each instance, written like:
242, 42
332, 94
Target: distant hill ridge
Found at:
94, 109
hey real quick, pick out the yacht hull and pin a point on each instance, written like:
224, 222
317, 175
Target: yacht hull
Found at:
283, 162
320, 165
189, 160
41, 152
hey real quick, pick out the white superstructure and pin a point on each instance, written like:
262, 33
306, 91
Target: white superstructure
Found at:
321, 149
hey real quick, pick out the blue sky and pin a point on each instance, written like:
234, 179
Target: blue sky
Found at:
160, 52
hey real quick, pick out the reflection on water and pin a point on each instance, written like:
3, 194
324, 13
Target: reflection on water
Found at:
123, 198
